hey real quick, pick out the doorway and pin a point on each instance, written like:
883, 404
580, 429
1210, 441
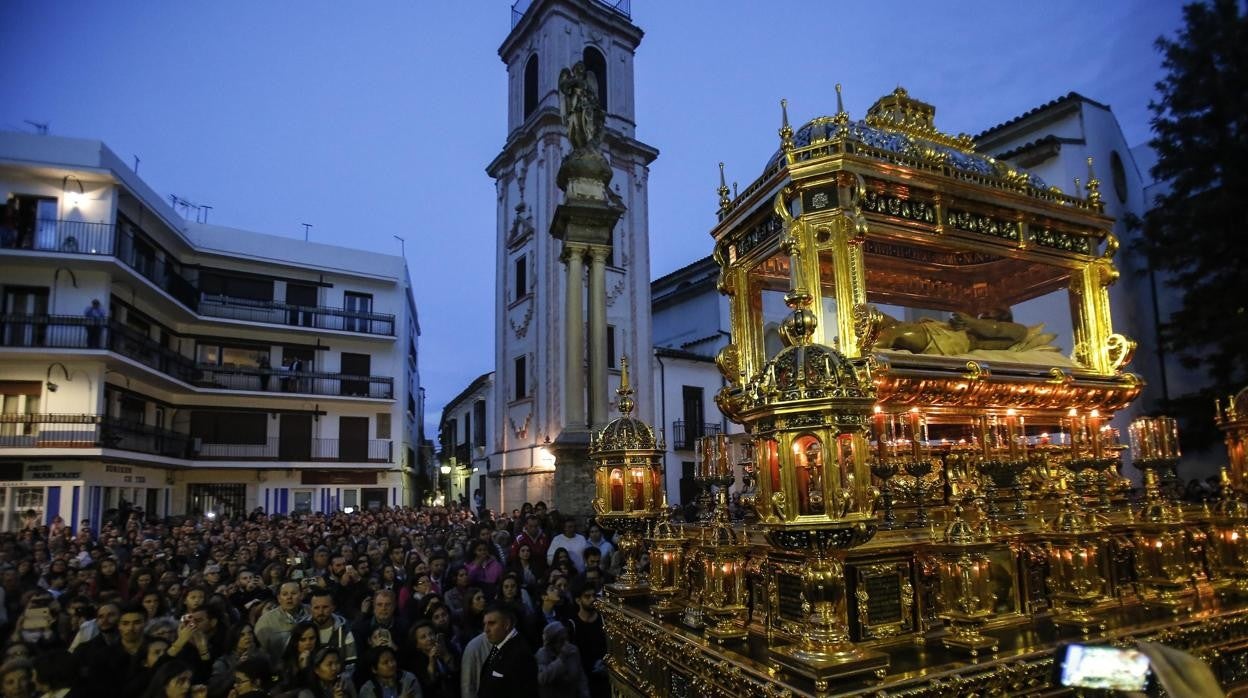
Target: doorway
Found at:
294, 441
353, 438
25, 302
303, 296
357, 365
373, 498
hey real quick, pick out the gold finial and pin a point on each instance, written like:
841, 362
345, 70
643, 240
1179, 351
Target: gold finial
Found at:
1094, 189
841, 117
799, 326
625, 391
786, 131
724, 201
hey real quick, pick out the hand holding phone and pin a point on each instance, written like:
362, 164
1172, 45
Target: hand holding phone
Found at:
1102, 667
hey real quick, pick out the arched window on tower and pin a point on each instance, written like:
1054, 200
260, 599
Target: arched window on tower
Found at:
596, 64
530, 86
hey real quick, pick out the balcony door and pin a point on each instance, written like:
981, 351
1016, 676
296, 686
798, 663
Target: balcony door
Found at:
691, 399
25, 301
356, 304
353, 439
294, 441
355, 365
303, 296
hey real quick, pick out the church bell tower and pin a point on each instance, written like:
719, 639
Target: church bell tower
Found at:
539, 410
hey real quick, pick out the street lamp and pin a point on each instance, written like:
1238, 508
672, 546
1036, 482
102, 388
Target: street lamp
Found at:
446, 473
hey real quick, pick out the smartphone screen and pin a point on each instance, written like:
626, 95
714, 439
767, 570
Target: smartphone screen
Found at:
1111, 668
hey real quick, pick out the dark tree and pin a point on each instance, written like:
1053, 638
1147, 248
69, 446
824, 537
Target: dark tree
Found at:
1196, 233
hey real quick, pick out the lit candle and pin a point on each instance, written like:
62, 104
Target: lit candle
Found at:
1094, 426
877, 428
1073, 416
1011, 432
915, 420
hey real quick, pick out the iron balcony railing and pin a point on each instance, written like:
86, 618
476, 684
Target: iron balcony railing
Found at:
95, 431
337, 450
686, 434
81, 237
70, 237
89, 431
278, 313
74, 332
277, 380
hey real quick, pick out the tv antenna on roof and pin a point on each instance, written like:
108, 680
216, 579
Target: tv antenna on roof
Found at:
41, 128
306, 228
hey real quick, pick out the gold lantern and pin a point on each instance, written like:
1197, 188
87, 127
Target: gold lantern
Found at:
628, 484
667, 565
1228, 539
1155, 446
809, 407
1233, 421
722, 560
1163, 562
966, 586
1077, 581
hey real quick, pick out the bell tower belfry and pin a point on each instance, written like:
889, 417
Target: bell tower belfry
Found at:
545, 287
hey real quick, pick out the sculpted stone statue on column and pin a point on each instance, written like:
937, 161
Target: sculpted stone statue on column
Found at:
582, 109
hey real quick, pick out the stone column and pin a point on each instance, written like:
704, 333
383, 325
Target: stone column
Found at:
574, 339
598, 335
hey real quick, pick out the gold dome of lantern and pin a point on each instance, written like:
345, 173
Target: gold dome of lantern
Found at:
626, 432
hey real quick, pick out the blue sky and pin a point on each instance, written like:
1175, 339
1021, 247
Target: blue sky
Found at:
373, 119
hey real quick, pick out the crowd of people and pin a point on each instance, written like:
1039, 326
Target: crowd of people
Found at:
397, 603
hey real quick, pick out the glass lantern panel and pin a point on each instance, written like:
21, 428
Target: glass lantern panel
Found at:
808, 466
845, 446
637, 489
617, 490
771, 457
968, 303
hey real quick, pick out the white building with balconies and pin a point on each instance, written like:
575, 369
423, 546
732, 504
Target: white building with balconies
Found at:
223, 370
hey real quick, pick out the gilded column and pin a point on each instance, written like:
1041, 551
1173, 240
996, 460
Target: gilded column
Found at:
574, 339
598, 335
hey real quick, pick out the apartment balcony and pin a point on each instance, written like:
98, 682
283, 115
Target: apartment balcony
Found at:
106, 239
278, 313
276, 380
686, 434
315, 450
75, 332
66, 237
86, 431
60, 431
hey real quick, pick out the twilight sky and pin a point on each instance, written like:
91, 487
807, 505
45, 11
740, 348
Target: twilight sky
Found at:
373, 119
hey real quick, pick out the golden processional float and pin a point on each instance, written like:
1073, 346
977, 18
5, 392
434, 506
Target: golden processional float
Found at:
935, 498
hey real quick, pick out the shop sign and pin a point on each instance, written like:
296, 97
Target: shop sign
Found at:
49, 472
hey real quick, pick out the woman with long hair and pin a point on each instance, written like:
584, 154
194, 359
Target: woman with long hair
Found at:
240, 645
324, 678
510, 591
386, 679
153, 604
109, 578
171, 680
150, 657
530, 568
296, 659
472, 620
433, 664
455, 596
484, 570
